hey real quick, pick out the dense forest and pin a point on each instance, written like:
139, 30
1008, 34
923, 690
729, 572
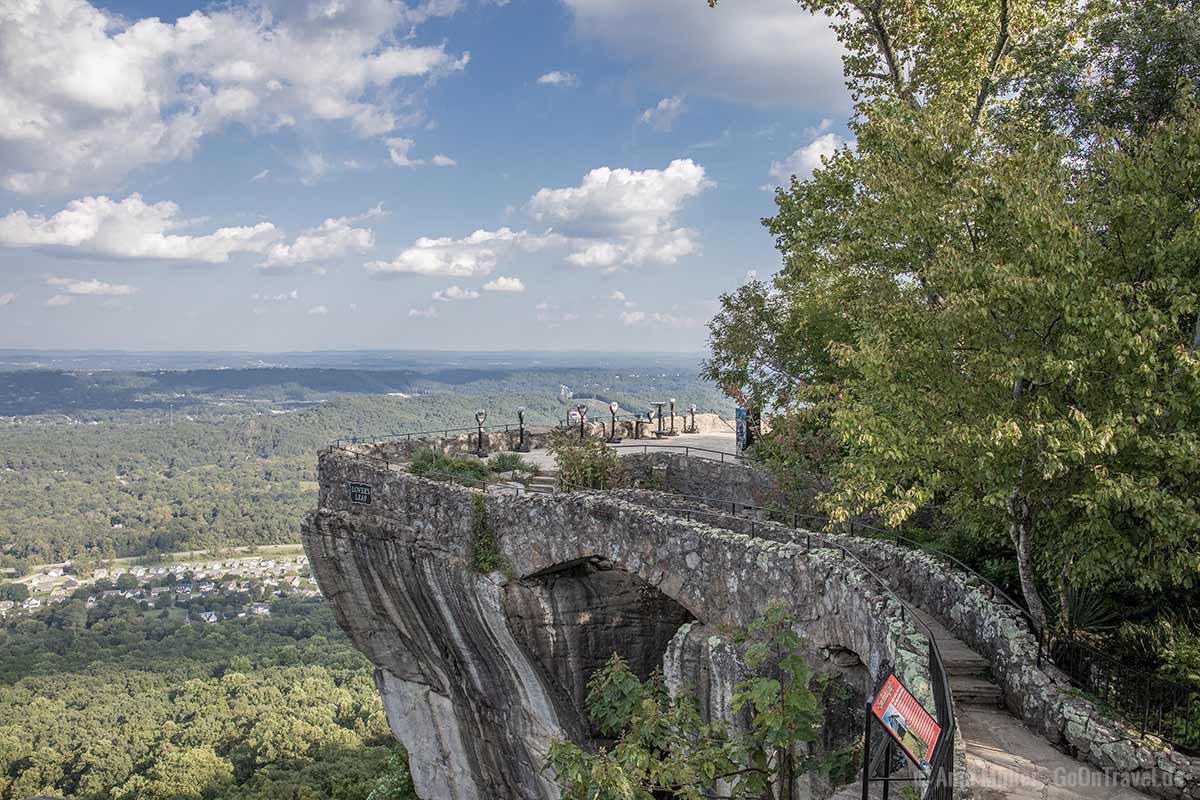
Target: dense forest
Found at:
222, 464
118, 701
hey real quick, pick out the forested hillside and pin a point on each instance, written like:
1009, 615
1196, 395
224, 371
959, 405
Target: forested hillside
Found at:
119, 701
228, 461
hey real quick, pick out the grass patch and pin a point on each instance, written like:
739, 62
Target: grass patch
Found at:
510, 462
428, 463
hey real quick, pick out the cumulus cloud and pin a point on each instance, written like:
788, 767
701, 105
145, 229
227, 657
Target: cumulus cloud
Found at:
804, 160
623, 217
134, 229
614, 218
89, 96
764, 52
131, 228
643, 318
318, 311
428, 313
59, 300
553, 314
282, 297
455, 293
559, 78
398, 149
504, 284
472, 256
662, 116
6, 298
332, 239
91, 287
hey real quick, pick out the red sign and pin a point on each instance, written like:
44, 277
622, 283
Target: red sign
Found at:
906, 720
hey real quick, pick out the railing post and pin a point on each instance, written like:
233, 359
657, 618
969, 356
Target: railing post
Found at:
866, 778
1040, 636
1146, 710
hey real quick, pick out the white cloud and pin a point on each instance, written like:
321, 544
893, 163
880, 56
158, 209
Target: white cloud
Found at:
614, 218
428, 313
455, 293
282, 297
661, 117
334, 238
131, 228
553, 314
91, 287
7, 298
641, 318
618, 296
89, 96
622, 217
804, 160
318, 311
559, 78
258, 177
398, 151
59, 300
504, 284
472, 256
765, 52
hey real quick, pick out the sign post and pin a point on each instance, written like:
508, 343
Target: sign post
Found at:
907, 725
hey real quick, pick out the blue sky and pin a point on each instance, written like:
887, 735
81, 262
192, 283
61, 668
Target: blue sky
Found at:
335, 174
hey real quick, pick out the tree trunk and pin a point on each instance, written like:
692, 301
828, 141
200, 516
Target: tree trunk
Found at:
1020, 529
1064, 595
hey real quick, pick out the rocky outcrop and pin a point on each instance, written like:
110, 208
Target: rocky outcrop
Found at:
479, 674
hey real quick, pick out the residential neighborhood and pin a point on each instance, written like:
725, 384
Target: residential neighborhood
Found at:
197, 585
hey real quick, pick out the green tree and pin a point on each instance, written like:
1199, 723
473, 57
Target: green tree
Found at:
665, 747
1017, 287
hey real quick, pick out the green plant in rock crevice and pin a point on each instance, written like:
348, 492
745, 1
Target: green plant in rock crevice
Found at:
486, 557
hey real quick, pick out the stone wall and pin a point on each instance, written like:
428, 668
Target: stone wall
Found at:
467, 688
730, 481
1040, 696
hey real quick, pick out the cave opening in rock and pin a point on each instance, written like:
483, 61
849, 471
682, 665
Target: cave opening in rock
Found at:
571, 619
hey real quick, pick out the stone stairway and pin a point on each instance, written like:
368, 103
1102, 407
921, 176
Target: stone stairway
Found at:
970, 673
545, 482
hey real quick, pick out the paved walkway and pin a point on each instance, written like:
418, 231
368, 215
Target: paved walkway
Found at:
1004, 758
716, 442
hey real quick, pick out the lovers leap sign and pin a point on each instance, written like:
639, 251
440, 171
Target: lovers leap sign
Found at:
906, 720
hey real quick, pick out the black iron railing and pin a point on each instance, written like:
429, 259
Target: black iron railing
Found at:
1167, 709
940, 774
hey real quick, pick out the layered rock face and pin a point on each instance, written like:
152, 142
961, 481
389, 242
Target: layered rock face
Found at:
479, 674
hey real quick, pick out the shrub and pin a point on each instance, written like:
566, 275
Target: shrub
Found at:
428, 463
585, 464
510, 462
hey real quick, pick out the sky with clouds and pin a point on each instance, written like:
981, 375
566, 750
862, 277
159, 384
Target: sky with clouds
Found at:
437, 174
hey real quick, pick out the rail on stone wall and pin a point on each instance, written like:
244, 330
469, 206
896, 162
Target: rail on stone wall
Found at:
1163, 708
941, 763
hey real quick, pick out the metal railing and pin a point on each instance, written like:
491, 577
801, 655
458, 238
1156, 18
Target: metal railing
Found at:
1167, 709
408, 436
940, 775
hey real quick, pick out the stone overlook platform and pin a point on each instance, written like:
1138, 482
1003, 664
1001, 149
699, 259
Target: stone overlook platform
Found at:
479, 673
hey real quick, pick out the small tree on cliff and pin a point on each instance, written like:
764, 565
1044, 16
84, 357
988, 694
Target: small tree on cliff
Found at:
665, 746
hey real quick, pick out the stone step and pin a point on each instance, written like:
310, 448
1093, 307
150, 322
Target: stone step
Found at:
976, 692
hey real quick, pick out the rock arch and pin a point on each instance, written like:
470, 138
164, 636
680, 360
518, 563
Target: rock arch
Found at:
463, 686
